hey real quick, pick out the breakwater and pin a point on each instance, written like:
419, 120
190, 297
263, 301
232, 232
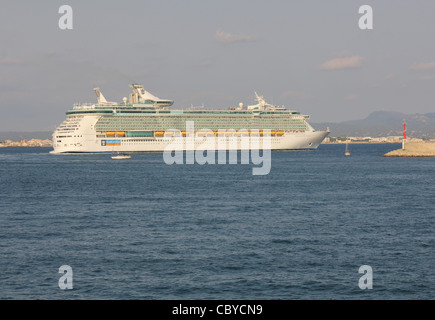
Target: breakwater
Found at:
414, 149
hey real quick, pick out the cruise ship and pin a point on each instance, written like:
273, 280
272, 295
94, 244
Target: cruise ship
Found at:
143, 122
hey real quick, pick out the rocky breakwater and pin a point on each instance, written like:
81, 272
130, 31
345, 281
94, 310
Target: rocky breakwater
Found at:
414, 149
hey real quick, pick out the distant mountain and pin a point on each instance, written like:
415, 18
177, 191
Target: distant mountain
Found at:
17, 136
384, 123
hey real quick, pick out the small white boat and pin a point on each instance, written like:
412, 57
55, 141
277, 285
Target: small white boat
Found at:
347, 152
121, 156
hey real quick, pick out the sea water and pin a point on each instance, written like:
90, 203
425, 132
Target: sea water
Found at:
142, 229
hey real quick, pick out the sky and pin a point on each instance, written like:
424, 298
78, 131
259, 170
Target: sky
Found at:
309, 56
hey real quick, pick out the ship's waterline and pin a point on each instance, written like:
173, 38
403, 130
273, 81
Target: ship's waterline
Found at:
145, 123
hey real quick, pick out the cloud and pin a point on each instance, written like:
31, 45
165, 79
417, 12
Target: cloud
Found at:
423, 66
225, 37
11, 61
345, 61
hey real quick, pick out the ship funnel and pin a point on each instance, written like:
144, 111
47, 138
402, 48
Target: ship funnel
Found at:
100, 97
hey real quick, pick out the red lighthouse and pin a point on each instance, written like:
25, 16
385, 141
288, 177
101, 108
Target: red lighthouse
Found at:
404, 135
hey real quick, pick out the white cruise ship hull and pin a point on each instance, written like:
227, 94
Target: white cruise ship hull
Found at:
85, 140
145, 124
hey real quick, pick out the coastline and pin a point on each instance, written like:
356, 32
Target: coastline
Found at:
26, 143
363, 142
48, 143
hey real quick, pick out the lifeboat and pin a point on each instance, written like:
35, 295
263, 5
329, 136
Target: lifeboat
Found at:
120, 133
280, 132
159, 133
110, 133
244, 133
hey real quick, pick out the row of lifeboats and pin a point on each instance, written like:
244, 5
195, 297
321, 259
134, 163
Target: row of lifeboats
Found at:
205, 133
115, 133
228, 133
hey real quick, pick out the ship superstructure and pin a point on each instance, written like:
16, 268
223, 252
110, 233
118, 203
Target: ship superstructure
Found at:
144, 122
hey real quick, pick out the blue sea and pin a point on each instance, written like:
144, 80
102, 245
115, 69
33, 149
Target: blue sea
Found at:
142, 229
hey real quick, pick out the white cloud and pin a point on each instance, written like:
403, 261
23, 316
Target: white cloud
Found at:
343, 62
226, 37
423, 65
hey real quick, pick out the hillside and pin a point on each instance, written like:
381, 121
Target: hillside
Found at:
384, 123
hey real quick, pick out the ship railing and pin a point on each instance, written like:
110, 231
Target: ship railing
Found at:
83, 106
